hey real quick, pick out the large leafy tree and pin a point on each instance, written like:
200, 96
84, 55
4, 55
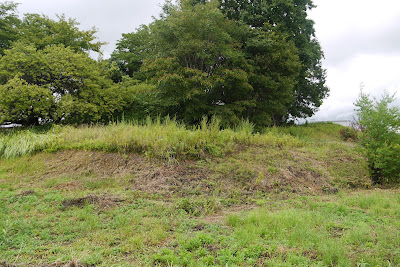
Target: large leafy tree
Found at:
205, 64
25, 103
274, 77
289, 18
46, 73
9, 23
42, 31
73, 83
209, 60
132, 49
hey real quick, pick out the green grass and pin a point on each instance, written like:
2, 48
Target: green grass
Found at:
346, 230
285, 197
311, 132
166, 140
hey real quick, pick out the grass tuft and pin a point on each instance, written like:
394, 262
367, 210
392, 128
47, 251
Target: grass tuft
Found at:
165, 140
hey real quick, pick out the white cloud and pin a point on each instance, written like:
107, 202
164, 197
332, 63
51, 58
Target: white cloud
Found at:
111, 18
361, 44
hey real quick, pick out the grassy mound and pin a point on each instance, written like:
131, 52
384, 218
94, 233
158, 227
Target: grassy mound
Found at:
191, 197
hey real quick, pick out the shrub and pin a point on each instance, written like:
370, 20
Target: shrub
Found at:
380, 138
348, 133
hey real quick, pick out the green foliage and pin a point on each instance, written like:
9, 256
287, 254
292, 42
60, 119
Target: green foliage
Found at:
73, 85
197, 207
114, 72
46, 77
225, 68
42, 31
138, 100
132, 48
179, 89
348, 133
9, 22
201, 69
288, 18
275, 74
311, 132
380, 137
24, 103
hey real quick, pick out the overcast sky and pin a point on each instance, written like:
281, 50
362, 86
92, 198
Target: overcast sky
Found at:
360, 39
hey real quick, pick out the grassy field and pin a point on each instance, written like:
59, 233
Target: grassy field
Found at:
161, 194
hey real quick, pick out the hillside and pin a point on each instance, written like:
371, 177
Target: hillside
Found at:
163, 194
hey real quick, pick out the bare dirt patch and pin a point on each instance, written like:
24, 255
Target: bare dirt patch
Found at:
102, 202
250, 170
144, 175
100, 164
289, 171
25, 193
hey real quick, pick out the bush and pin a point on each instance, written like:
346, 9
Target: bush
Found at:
380, 138
348, 133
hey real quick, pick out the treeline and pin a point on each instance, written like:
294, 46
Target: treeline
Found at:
235, 59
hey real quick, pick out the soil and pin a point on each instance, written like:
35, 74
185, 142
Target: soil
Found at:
102, 202
144, 175
185, 178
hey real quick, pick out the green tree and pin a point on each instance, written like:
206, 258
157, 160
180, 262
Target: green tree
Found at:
132, 49
381, 136
180, 89
289, 18
42, 31
78, 85
274, 76
9, 23
25, 103
204, 64
210, 64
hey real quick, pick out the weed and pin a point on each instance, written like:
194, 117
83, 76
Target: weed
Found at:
348, 134
167, 140
197, 207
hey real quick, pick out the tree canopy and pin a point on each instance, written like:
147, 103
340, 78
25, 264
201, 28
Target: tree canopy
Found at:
210, 63
9, 22
289, 17
46, 74
53, 84
41, 31
235, 59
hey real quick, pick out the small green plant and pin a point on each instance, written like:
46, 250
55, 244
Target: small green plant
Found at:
381, 136
197, 207
348, 133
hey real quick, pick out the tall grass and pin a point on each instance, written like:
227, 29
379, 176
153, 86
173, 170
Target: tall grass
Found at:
167, 139
23, 143
311, 132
